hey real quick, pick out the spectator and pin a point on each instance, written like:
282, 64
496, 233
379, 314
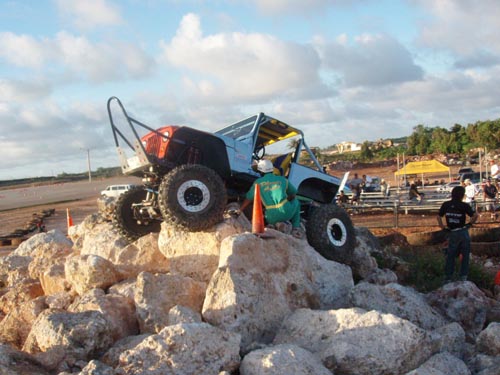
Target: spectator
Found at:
355, 186
490, 197
455, 212
384, 188
342, 199
494, 171
470, 193
414, 194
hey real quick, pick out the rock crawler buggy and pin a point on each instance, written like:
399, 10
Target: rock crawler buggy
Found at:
189, 176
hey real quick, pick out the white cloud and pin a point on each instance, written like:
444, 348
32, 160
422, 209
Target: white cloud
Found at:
17, 91
372, 60
23, 50
462, 27
97, 62
237, 65
300, 7
90, 13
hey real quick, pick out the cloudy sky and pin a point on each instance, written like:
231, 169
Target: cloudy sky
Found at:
338, 69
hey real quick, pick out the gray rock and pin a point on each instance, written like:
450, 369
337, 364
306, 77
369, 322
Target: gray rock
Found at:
442, 364
282, 359
488, 341
399, 300
354, 341
182, 349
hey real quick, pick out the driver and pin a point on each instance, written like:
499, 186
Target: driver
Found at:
278, 198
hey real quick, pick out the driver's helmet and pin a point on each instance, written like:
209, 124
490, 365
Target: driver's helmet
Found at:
265, 166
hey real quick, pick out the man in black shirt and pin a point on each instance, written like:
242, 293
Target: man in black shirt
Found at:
455, 212
490, 197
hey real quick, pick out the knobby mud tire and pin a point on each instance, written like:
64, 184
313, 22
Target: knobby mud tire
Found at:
331, 233
192, 197
123, 216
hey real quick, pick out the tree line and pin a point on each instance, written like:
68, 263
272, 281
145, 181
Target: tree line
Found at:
461, 140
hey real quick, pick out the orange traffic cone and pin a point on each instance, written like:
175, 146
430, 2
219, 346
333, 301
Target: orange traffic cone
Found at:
69, 218
257, 215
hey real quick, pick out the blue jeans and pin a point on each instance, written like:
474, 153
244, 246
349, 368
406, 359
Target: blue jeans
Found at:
458, 243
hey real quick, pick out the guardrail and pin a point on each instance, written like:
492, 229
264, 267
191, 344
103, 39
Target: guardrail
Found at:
400, 204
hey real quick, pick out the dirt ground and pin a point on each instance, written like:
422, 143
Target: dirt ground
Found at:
380, 224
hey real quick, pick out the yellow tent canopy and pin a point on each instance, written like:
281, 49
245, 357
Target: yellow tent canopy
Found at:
422, 167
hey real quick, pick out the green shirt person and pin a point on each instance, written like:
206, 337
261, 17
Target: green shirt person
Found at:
278, 198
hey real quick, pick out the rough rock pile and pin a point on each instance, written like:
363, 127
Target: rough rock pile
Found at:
226, 302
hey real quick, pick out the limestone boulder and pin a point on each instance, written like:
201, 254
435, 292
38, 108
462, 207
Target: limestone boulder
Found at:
354, 341
488, 341
112, 356
58, 337
47, 255
442, 364
60, 300
14, 269
482, 364
362, 263
141, 256
95, 367
282, 359
196, 254
52, 237
16, 295
119, 311
332, 281
87, 271
106, 206
182, 349
381, 277
399, 300
257, 284
16, 325
155, 295
16, 362
53, 279
182, 314
96, 236
449, 338
464, 303
125, 288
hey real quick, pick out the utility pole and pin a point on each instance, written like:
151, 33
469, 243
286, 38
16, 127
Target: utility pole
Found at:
88, 162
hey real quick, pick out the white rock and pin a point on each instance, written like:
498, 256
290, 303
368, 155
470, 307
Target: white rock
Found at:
354, 341
119, 311
399, 300
282, 359
64, 336
488, 341
183, 314
86, 272
183, 349
195, 254
257, 284
156, 294
450, 338
54, 236
442, 364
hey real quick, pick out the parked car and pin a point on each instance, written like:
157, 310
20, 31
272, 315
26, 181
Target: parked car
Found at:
475, 177
115, 191
446, 188
462, 171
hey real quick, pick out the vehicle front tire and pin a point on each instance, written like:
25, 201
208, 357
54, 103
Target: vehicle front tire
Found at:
125, 220
192, 197
330, 232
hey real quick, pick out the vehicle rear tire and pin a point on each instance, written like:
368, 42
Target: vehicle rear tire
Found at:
124, 219
331, 233
192, 197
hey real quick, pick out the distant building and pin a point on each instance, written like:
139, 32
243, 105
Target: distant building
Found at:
348, 147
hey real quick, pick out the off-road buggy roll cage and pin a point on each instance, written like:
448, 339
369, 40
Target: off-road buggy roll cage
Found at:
190, 175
